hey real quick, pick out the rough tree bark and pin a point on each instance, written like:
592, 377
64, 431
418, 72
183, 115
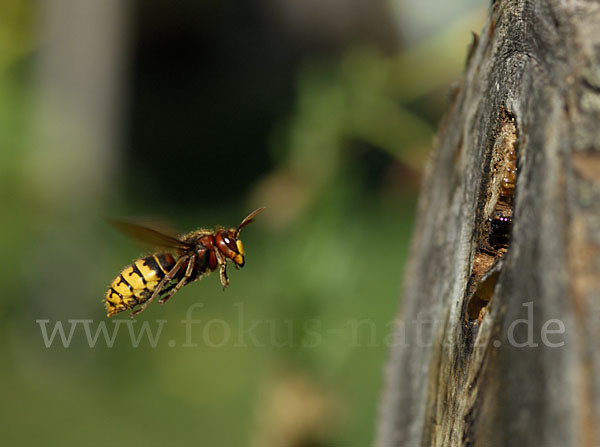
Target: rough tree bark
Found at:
499, 333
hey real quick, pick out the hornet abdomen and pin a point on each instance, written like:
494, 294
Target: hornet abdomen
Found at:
136, 282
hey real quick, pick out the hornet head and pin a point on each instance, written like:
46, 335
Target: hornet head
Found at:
228, 241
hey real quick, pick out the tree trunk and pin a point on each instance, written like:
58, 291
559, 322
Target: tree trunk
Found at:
498, 338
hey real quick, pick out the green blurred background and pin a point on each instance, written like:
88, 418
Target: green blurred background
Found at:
197, 112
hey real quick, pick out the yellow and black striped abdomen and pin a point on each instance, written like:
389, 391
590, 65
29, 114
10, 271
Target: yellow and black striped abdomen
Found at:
136, 282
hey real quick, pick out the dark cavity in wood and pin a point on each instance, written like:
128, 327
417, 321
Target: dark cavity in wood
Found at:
495, 213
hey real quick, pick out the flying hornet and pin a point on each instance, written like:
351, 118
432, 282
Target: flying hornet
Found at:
187, 259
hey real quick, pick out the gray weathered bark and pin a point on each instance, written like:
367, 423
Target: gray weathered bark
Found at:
499, 332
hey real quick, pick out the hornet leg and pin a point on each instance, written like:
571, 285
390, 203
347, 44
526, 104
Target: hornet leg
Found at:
168, 277
222, 269
182, 282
